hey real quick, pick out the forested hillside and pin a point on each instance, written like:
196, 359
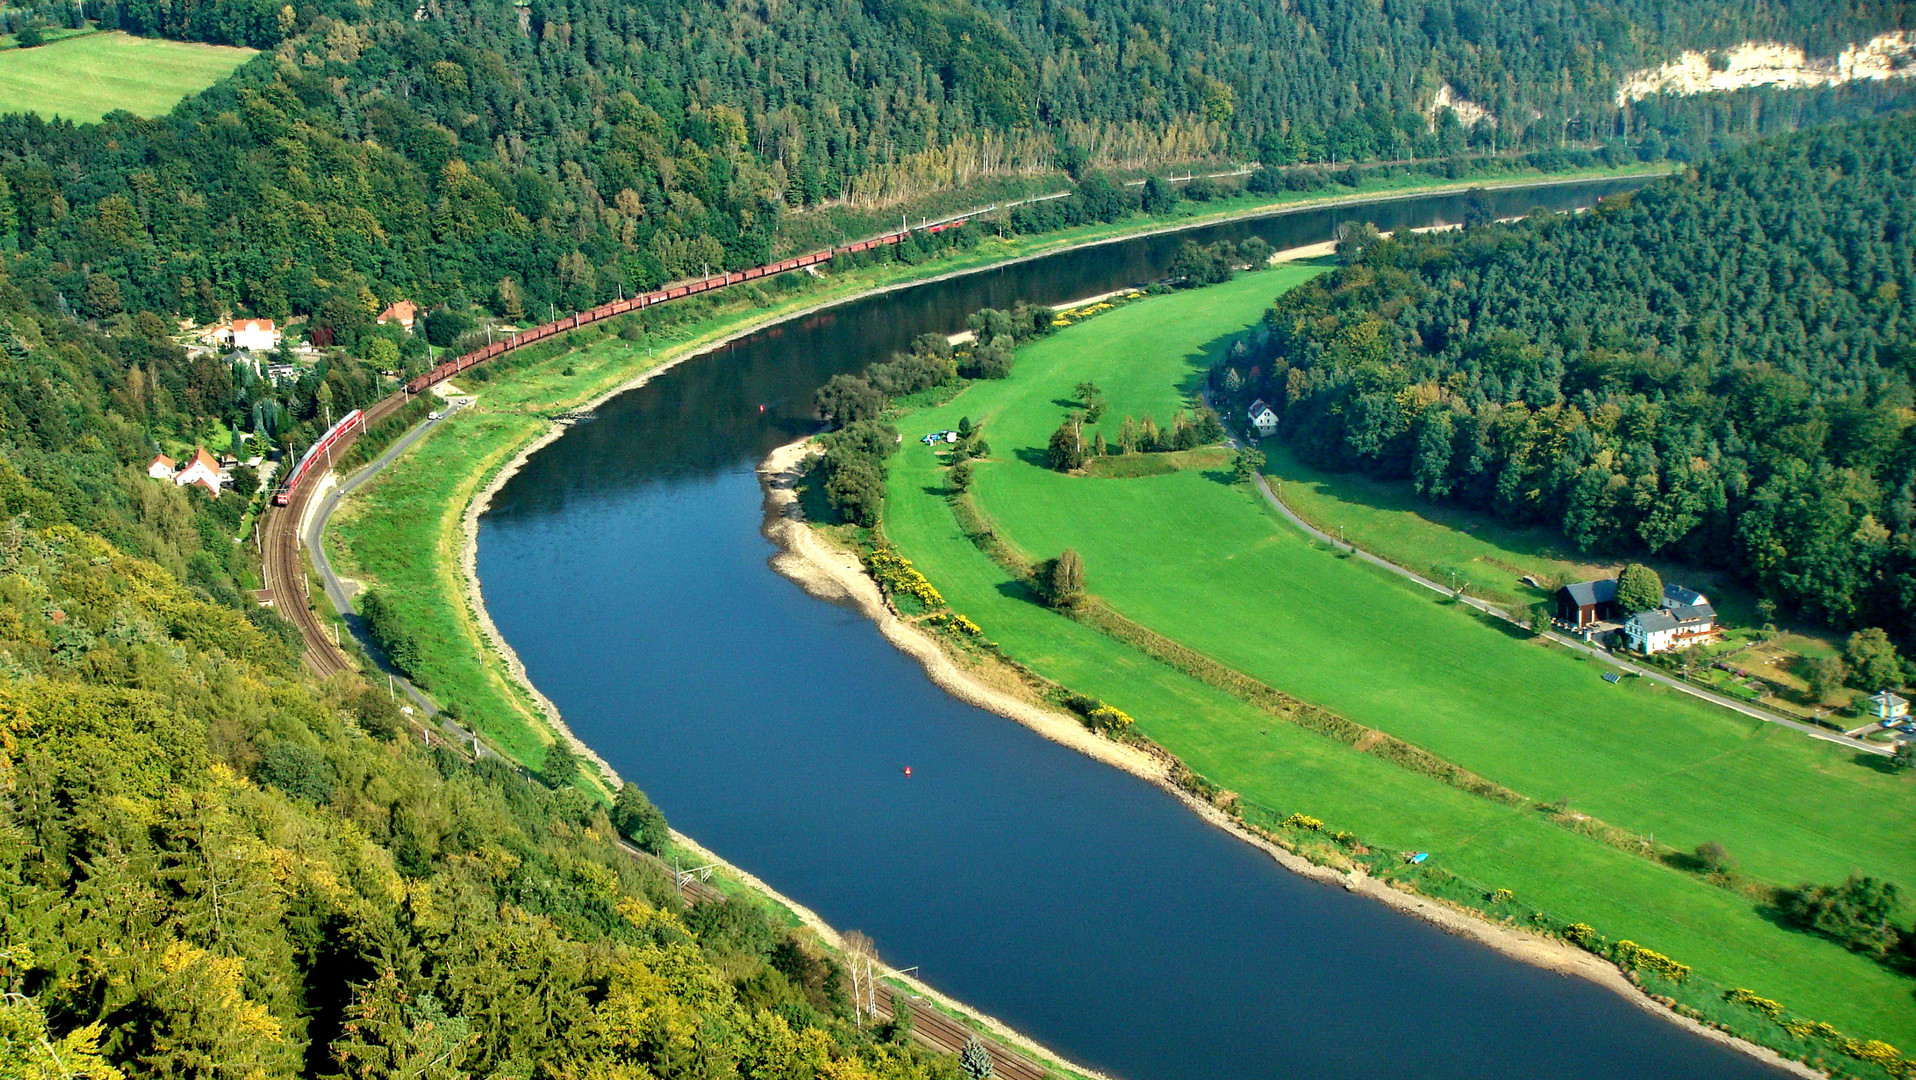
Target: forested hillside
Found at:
211, 868
554, 154
1720, 367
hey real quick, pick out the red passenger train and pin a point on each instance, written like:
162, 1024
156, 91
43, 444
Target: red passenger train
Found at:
284, 493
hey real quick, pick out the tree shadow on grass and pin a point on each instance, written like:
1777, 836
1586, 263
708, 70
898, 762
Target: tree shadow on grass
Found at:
1877, 762
1032, 455
1221, 476
1014, 589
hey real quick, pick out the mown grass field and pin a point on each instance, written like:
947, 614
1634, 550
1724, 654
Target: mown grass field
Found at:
85, 77
1204, 562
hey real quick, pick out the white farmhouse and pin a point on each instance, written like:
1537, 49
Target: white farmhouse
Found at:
1674, 625
1262, 418
160, 468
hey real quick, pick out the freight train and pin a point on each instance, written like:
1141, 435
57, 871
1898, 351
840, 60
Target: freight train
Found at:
659, 296
284, 493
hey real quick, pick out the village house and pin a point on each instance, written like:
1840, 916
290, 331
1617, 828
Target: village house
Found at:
1586, 603
1888, 708
403, 312
1665, 628
246, 334
200, 469
1262, 418
1686, 618
160, 468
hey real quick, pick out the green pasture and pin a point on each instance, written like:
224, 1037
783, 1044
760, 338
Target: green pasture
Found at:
1490, 558
84, 77
1204, 562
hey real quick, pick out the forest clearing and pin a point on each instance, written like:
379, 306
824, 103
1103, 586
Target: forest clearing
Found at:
83, 78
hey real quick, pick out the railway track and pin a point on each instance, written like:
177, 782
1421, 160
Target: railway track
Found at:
282, 571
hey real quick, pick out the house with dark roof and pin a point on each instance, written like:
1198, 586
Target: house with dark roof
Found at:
1587, 602
1675, 595
1262, 418
1670, 627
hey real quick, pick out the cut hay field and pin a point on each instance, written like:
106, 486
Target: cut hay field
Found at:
1207, 564
85, 77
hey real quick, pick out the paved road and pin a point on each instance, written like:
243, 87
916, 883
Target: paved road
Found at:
1607, 657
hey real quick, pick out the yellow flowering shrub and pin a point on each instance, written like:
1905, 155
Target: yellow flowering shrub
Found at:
1632, 955
898, 577
1303, 821
1739, 996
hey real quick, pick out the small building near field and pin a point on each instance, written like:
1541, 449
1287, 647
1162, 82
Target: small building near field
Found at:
160, 468
403, 312
1677, 596
1671, 627
1587, 602
200, 469
1262, 418
1888, 707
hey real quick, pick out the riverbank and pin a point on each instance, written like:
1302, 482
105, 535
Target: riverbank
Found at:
430, 501
835, 574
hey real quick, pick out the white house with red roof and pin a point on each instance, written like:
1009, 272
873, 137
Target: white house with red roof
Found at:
402, 312
258, 334
200, 469
160, 468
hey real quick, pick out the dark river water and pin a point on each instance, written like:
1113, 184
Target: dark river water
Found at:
1073, 901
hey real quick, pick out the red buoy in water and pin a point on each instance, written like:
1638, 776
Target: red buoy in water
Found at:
908, 770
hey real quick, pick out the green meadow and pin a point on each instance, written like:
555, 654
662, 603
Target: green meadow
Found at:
1204, 562
84, 77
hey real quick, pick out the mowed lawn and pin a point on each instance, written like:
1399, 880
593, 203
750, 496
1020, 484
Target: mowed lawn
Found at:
84, 78
1204, 562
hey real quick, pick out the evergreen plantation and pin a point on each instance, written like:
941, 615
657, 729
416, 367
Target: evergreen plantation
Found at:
1720, 366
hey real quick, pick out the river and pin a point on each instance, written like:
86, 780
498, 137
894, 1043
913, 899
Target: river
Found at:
1077, 903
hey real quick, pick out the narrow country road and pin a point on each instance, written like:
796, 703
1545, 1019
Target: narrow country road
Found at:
1263, 485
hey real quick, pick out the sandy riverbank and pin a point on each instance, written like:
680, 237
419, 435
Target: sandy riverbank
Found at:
833, 574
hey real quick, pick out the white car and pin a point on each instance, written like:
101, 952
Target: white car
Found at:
434, 415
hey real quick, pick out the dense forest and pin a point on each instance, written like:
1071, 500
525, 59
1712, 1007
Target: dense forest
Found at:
551, 155
210, 867
1719, 366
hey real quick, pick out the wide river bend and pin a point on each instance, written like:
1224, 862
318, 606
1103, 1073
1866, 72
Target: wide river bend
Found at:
1078, 903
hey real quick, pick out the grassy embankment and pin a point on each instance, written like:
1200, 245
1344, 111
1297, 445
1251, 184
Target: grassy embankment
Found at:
1388, 519
403, 535
1207, 564
85, 76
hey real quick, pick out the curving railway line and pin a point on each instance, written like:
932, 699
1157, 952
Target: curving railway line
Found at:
284, 573
281, 570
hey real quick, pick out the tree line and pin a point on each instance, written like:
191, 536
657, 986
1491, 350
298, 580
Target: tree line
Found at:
1719, 367
554, 155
